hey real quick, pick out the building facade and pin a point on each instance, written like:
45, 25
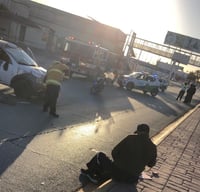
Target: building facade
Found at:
44, 27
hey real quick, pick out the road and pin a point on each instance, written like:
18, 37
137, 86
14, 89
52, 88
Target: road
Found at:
40, 153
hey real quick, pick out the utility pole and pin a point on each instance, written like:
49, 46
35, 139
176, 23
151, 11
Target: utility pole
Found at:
171, 70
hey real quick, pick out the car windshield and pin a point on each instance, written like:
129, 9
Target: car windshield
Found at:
21, 56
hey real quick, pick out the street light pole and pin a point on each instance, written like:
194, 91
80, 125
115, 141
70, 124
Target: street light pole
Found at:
171, 70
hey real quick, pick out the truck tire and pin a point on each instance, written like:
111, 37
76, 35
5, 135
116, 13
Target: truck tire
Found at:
22, 88
154, 92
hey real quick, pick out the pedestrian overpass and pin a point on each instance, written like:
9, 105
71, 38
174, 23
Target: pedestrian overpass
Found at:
166, 51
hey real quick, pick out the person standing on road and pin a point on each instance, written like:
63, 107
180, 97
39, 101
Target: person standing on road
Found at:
182, 91
53, 79
190, 92
130, 157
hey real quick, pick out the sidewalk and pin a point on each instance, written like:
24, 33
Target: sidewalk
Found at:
178, 164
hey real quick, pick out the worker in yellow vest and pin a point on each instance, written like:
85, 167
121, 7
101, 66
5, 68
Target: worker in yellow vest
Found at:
54, 77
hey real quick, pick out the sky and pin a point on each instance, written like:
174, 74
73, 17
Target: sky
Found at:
149, 19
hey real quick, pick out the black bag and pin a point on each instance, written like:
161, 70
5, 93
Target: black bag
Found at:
100, 165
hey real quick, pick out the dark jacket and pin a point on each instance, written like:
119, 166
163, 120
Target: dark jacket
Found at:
191, 90
133, 153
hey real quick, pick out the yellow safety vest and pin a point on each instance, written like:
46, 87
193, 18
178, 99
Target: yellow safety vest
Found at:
56, 73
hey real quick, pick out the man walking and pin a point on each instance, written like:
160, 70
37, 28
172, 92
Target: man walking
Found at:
53, 79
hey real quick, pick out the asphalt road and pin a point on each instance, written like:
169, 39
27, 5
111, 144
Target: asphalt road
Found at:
40, 153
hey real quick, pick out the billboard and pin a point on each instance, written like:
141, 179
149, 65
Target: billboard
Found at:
182, 41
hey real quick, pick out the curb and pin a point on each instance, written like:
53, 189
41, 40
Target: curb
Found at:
158, 138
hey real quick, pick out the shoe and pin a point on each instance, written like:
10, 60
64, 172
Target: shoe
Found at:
54, 115
93, 178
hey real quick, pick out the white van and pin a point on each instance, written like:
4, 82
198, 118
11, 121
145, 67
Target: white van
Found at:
19, 71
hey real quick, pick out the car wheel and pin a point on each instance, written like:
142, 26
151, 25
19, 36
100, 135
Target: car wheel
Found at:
129, 86
22, 89
154, 92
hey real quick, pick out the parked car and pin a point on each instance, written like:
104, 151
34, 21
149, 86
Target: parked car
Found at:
19, 71
140, 80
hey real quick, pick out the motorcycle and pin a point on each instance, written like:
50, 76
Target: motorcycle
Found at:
98, 86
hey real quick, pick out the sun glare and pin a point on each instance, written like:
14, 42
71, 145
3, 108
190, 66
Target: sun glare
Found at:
149, 19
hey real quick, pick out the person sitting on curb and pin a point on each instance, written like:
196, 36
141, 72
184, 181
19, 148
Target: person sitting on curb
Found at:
130, 157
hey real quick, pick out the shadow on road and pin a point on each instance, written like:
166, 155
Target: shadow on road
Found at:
154, 103
19, 125
75, 106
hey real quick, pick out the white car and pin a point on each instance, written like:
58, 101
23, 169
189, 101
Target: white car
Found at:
140, 80
19, 71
